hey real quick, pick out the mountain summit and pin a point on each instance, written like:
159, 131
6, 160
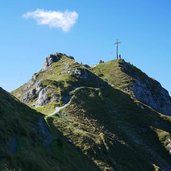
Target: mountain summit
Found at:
133, 81
53, 84
65, 71
107, 112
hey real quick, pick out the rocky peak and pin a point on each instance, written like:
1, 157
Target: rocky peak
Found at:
51, 59
54, 58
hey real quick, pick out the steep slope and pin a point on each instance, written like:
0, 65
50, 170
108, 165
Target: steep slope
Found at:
27, 143
130, 79
117, 132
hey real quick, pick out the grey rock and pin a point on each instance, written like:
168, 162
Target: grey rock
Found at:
153, 94
82, 73
51, 59
148, 90
31, 94
42, 97
39, 94
34, 77
38, 87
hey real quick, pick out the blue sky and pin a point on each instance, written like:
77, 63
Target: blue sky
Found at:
143, 27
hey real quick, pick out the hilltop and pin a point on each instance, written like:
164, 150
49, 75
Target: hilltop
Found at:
51, 86
102, 112
136, 83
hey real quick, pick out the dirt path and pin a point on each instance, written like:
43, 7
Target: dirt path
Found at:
57, 109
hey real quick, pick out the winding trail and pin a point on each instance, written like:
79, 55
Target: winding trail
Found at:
57, 109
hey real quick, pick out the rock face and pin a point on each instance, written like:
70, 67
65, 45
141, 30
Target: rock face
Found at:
51, 59
152, 94
81, 73
148, 90
43, 97
39, 94
54, 58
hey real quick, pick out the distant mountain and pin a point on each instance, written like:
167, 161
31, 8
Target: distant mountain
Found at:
99, 111
133, 81
28, 144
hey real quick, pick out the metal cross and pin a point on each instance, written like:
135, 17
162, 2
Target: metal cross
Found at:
117, 47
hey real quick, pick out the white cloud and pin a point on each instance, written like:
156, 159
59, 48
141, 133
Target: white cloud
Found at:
54, 19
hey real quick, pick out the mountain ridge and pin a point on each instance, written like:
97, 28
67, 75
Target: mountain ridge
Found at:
98, 115
118, 73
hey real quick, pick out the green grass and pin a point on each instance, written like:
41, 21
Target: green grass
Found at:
59, 81
102, 121
48, 108
22, 142
112, 73
113, 136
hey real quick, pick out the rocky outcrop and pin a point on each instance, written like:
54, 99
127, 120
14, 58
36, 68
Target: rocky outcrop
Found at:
148, 90
51, 59
42, 97
54, 58
152, 94
82, 73
30, 95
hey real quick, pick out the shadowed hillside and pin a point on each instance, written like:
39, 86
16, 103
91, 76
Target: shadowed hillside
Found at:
115, 137
27, 143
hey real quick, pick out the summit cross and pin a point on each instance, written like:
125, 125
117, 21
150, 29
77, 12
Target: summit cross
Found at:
117, 49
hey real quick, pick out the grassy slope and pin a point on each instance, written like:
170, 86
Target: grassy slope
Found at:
23, 144
56, 78
111, 72
115, 137
119, 74
59, 81
110, 128
128, 78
